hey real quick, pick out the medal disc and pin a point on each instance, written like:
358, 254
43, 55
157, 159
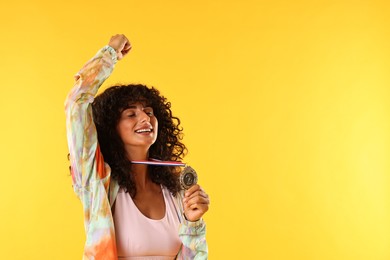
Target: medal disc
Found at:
188, 177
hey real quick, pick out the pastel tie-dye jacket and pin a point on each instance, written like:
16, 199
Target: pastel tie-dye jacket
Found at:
91, 175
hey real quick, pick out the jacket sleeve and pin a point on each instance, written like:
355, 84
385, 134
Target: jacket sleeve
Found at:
87, 164
90, 175
192, 235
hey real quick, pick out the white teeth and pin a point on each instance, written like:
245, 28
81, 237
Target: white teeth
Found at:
143, 130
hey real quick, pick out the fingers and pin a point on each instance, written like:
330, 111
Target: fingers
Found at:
192, 189
195, 211
198, 199
196, 203
194, 193
197, 195
121, 45
126, 48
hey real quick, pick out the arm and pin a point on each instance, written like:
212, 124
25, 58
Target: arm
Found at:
192, 231
81, 131
86, 160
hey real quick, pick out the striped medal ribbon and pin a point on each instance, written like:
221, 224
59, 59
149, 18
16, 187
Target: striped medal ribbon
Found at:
152, 161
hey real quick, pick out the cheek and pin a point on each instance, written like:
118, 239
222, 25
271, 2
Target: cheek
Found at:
154, 123
123, 127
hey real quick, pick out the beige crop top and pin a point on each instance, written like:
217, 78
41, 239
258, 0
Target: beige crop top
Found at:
139, 237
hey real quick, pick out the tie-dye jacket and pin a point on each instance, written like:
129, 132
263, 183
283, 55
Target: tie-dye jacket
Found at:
91, 175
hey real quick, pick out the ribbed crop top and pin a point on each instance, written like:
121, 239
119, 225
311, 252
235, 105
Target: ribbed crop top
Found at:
139, 237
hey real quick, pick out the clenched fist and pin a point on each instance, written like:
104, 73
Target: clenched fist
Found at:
120, 44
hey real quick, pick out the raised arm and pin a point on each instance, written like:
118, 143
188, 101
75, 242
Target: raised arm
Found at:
86, 161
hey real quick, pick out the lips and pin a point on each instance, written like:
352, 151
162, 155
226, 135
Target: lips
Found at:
144, 130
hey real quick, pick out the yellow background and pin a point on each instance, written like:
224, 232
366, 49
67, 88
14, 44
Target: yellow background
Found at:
285, 106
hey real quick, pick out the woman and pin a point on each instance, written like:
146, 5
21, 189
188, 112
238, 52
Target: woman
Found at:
132, 210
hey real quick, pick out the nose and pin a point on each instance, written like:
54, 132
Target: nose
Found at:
144, 117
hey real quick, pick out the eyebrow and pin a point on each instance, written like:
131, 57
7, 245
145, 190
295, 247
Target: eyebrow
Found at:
134, 106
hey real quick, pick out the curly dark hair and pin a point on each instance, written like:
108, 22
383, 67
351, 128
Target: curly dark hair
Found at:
107, 108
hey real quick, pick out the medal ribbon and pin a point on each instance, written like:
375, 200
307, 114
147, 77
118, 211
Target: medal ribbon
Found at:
152, 161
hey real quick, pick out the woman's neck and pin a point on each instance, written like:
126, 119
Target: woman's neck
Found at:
139, 171
137, 153
141, 176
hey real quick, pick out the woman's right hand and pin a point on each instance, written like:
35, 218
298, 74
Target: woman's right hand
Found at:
120, 44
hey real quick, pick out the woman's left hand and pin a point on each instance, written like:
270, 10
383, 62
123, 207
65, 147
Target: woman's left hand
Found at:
196, 203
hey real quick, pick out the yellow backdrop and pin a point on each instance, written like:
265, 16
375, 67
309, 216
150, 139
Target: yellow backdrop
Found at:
285, 106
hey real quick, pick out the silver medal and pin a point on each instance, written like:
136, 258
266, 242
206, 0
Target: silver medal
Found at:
188, 177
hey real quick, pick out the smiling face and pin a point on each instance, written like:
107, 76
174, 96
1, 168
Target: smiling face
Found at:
137, 127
